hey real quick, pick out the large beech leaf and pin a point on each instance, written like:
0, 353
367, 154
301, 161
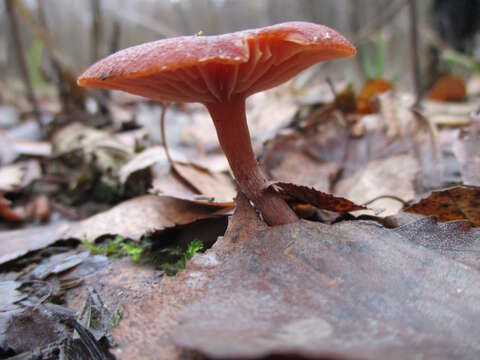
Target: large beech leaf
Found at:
345, 291
350, 290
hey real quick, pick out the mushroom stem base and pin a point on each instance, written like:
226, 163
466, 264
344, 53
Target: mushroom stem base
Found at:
232, 130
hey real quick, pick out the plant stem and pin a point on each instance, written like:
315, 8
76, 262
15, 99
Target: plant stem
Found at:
232, 130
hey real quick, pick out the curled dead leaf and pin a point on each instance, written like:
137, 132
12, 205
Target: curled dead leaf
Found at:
455, 203
448, 88
319, 199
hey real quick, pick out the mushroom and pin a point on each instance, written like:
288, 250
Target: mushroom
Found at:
221, 72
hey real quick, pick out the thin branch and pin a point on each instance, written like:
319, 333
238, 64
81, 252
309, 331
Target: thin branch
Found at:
96, 31
391, 197
10, 6
380, 21
164, 136
414, 53
63, 91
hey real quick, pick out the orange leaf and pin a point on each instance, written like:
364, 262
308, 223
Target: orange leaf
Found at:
448, 88
371, 89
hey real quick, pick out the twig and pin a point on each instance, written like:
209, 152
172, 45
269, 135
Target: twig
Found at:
432, 130
380, 21
332, 86
97, 31
163, 133
44, 298
39, 32
115, 39
393, 197
10, 6
415, 59
63, 91
68, 213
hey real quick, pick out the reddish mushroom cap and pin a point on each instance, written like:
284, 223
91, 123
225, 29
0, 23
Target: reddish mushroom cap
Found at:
215, 68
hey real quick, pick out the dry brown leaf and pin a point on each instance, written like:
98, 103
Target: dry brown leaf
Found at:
219, 186
351, 290
146, 159
304, 169
314, 197
17, 243
17, 176
311, 157
345, 100
151, 305
448, 88
392, 176
142, 216
455, 203
367, 95
9, 214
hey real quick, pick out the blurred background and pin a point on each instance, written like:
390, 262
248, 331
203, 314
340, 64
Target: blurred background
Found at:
93, 149
84, 31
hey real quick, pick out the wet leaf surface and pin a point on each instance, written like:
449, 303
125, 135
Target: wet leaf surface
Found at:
455, 203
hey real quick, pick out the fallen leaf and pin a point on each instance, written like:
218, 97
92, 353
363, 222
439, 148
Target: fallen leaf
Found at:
9, 214
96, 146
17, 243
455, 203
345, 100
17, 176
292, 168
390, 177
448, 88
473, 85
316, 198
457, 240
146, 159
57, 264
367, 95
32, 148
10, 296
467, 151
312, 156
151, 304
219, 186
188, 181
29, 329
141, 216
349, 290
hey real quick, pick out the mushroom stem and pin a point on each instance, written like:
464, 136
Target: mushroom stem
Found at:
231, 123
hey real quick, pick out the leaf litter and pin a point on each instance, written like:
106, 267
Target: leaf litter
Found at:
308, 289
